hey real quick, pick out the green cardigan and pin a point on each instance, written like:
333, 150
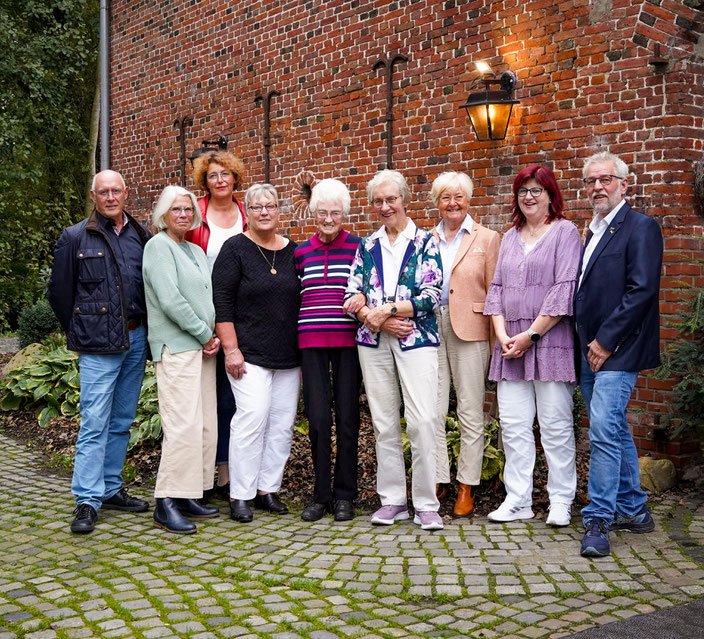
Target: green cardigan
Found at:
180, 311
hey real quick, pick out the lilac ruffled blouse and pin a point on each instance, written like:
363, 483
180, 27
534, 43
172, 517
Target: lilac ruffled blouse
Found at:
541, 282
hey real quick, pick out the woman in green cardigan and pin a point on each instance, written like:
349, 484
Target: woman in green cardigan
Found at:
181, 320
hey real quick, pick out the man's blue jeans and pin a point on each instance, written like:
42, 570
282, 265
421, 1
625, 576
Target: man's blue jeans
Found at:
614, 479
110, 386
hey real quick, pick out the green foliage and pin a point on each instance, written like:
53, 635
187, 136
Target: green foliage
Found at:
147, 421
684, 360
47, 66
49, 384
36, 322
493, 461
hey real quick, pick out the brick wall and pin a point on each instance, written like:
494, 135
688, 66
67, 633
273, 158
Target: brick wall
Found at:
586, 81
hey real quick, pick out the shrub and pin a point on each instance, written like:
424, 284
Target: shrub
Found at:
49, 384
36, 322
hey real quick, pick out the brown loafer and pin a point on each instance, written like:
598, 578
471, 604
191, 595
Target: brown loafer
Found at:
465, 501
441, 491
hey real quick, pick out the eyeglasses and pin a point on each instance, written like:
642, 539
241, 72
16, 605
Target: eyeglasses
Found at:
178, 210
446, 199
113, 192
257, 208
535, 191
605, 180
390, 201
223, 175
335, 215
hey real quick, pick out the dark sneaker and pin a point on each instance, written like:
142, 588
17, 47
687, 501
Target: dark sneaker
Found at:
596, 539
84, 521
122, 501
641, 523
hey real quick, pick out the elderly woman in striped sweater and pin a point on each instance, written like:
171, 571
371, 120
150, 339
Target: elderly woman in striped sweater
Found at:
326, 337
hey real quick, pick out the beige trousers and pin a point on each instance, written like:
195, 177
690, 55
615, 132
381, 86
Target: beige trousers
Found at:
188, 408
466, 364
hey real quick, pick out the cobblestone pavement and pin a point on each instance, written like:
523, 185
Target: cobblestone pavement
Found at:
285, 578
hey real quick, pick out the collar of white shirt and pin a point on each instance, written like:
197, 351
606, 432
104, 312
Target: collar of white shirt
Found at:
598, 225
467, 225
408, 233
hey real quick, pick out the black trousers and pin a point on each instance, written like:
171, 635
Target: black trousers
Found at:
322, 395
226, 409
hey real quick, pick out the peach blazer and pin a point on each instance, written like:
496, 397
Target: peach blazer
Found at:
471, 274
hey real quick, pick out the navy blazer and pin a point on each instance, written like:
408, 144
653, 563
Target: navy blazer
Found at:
618, 300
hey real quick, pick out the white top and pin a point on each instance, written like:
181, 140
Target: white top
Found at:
448, 253
598, 227
218, 236
392, 255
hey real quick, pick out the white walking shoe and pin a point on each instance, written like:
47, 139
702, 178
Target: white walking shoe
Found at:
507, 512
560, 515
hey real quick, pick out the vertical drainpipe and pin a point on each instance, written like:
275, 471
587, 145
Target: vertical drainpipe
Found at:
104, 85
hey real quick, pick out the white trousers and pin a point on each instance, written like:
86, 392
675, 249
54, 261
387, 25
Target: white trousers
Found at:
465, 364
189, 422
518, 402
261, 429
417, 371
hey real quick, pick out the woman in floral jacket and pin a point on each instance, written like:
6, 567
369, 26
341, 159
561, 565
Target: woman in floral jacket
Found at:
394, 286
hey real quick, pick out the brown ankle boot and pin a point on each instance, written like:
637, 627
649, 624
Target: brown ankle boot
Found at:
441, 491
465, 501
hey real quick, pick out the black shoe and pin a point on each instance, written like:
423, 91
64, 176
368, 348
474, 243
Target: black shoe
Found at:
194, 508
315, 511
84, 521
344, 510
272, 503
240, 511
168, 517
221, 493
122, 501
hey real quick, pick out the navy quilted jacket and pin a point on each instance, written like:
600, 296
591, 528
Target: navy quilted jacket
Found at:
86, 290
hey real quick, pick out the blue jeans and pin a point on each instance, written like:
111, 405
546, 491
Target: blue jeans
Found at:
110, 386
614, 478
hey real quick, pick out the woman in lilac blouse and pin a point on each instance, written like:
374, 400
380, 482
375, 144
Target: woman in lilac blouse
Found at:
530, 301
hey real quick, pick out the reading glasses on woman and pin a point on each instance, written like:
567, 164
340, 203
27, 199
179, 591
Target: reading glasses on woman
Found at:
535, 192
257, 208
219, 175
391, 200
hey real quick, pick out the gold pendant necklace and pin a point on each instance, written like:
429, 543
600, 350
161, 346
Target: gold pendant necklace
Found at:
272, 270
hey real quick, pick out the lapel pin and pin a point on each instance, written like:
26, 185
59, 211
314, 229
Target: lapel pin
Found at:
612, 230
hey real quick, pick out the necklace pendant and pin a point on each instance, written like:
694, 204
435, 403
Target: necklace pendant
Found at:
272, 271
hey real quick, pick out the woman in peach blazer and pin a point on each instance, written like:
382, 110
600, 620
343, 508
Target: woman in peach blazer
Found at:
469, 252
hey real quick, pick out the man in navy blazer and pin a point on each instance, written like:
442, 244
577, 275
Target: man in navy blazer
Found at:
618, 325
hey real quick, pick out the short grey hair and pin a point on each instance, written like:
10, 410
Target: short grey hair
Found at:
333, 191
387, 176
620, 167
166, 200
95, 177
451, 180
254, 191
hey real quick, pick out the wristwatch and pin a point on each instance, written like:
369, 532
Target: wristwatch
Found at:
394, 309
534, 337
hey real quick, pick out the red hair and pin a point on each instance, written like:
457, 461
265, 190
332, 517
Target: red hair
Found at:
546, 178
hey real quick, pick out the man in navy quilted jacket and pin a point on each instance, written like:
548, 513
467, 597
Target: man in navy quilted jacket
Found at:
97, 293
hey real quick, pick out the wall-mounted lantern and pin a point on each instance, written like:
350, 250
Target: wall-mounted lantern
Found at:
215, 144
489, 111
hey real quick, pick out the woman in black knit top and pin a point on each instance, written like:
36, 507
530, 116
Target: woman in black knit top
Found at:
257, 295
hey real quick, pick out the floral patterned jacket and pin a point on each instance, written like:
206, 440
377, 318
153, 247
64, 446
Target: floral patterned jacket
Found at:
420, 282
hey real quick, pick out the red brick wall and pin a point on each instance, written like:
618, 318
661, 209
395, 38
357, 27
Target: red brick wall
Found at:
585, 83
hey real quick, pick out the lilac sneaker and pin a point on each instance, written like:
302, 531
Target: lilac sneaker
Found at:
387, 515
428, 520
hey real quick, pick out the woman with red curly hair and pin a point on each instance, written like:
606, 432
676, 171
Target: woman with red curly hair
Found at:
530, 303
219, 173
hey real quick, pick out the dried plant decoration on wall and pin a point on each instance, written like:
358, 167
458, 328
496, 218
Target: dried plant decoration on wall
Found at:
302, 190
699, 181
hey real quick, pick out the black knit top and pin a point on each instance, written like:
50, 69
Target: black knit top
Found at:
262, 306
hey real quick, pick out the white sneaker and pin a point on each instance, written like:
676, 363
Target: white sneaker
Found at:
507, 512
560, 515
